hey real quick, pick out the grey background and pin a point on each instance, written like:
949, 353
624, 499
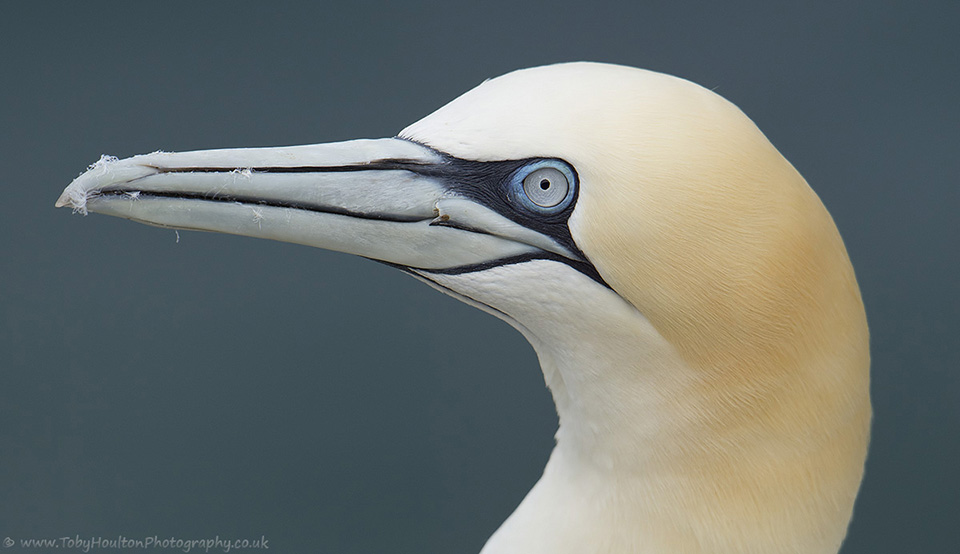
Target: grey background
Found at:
230, 386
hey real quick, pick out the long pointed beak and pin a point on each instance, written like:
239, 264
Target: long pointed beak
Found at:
383, 199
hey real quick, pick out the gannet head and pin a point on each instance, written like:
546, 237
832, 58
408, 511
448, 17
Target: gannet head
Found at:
691, 301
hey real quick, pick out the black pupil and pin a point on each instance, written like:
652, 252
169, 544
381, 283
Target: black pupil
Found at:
544, 184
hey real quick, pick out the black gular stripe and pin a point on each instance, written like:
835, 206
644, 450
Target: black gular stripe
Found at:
583, 267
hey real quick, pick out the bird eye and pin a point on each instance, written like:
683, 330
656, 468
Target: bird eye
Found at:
544, 186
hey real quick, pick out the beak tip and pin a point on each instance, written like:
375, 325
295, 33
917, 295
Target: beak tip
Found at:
73, 197
105, 171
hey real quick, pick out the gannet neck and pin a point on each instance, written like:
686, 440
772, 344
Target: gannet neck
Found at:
643, 463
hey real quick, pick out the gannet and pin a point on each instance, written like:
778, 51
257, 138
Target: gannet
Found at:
691, 302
